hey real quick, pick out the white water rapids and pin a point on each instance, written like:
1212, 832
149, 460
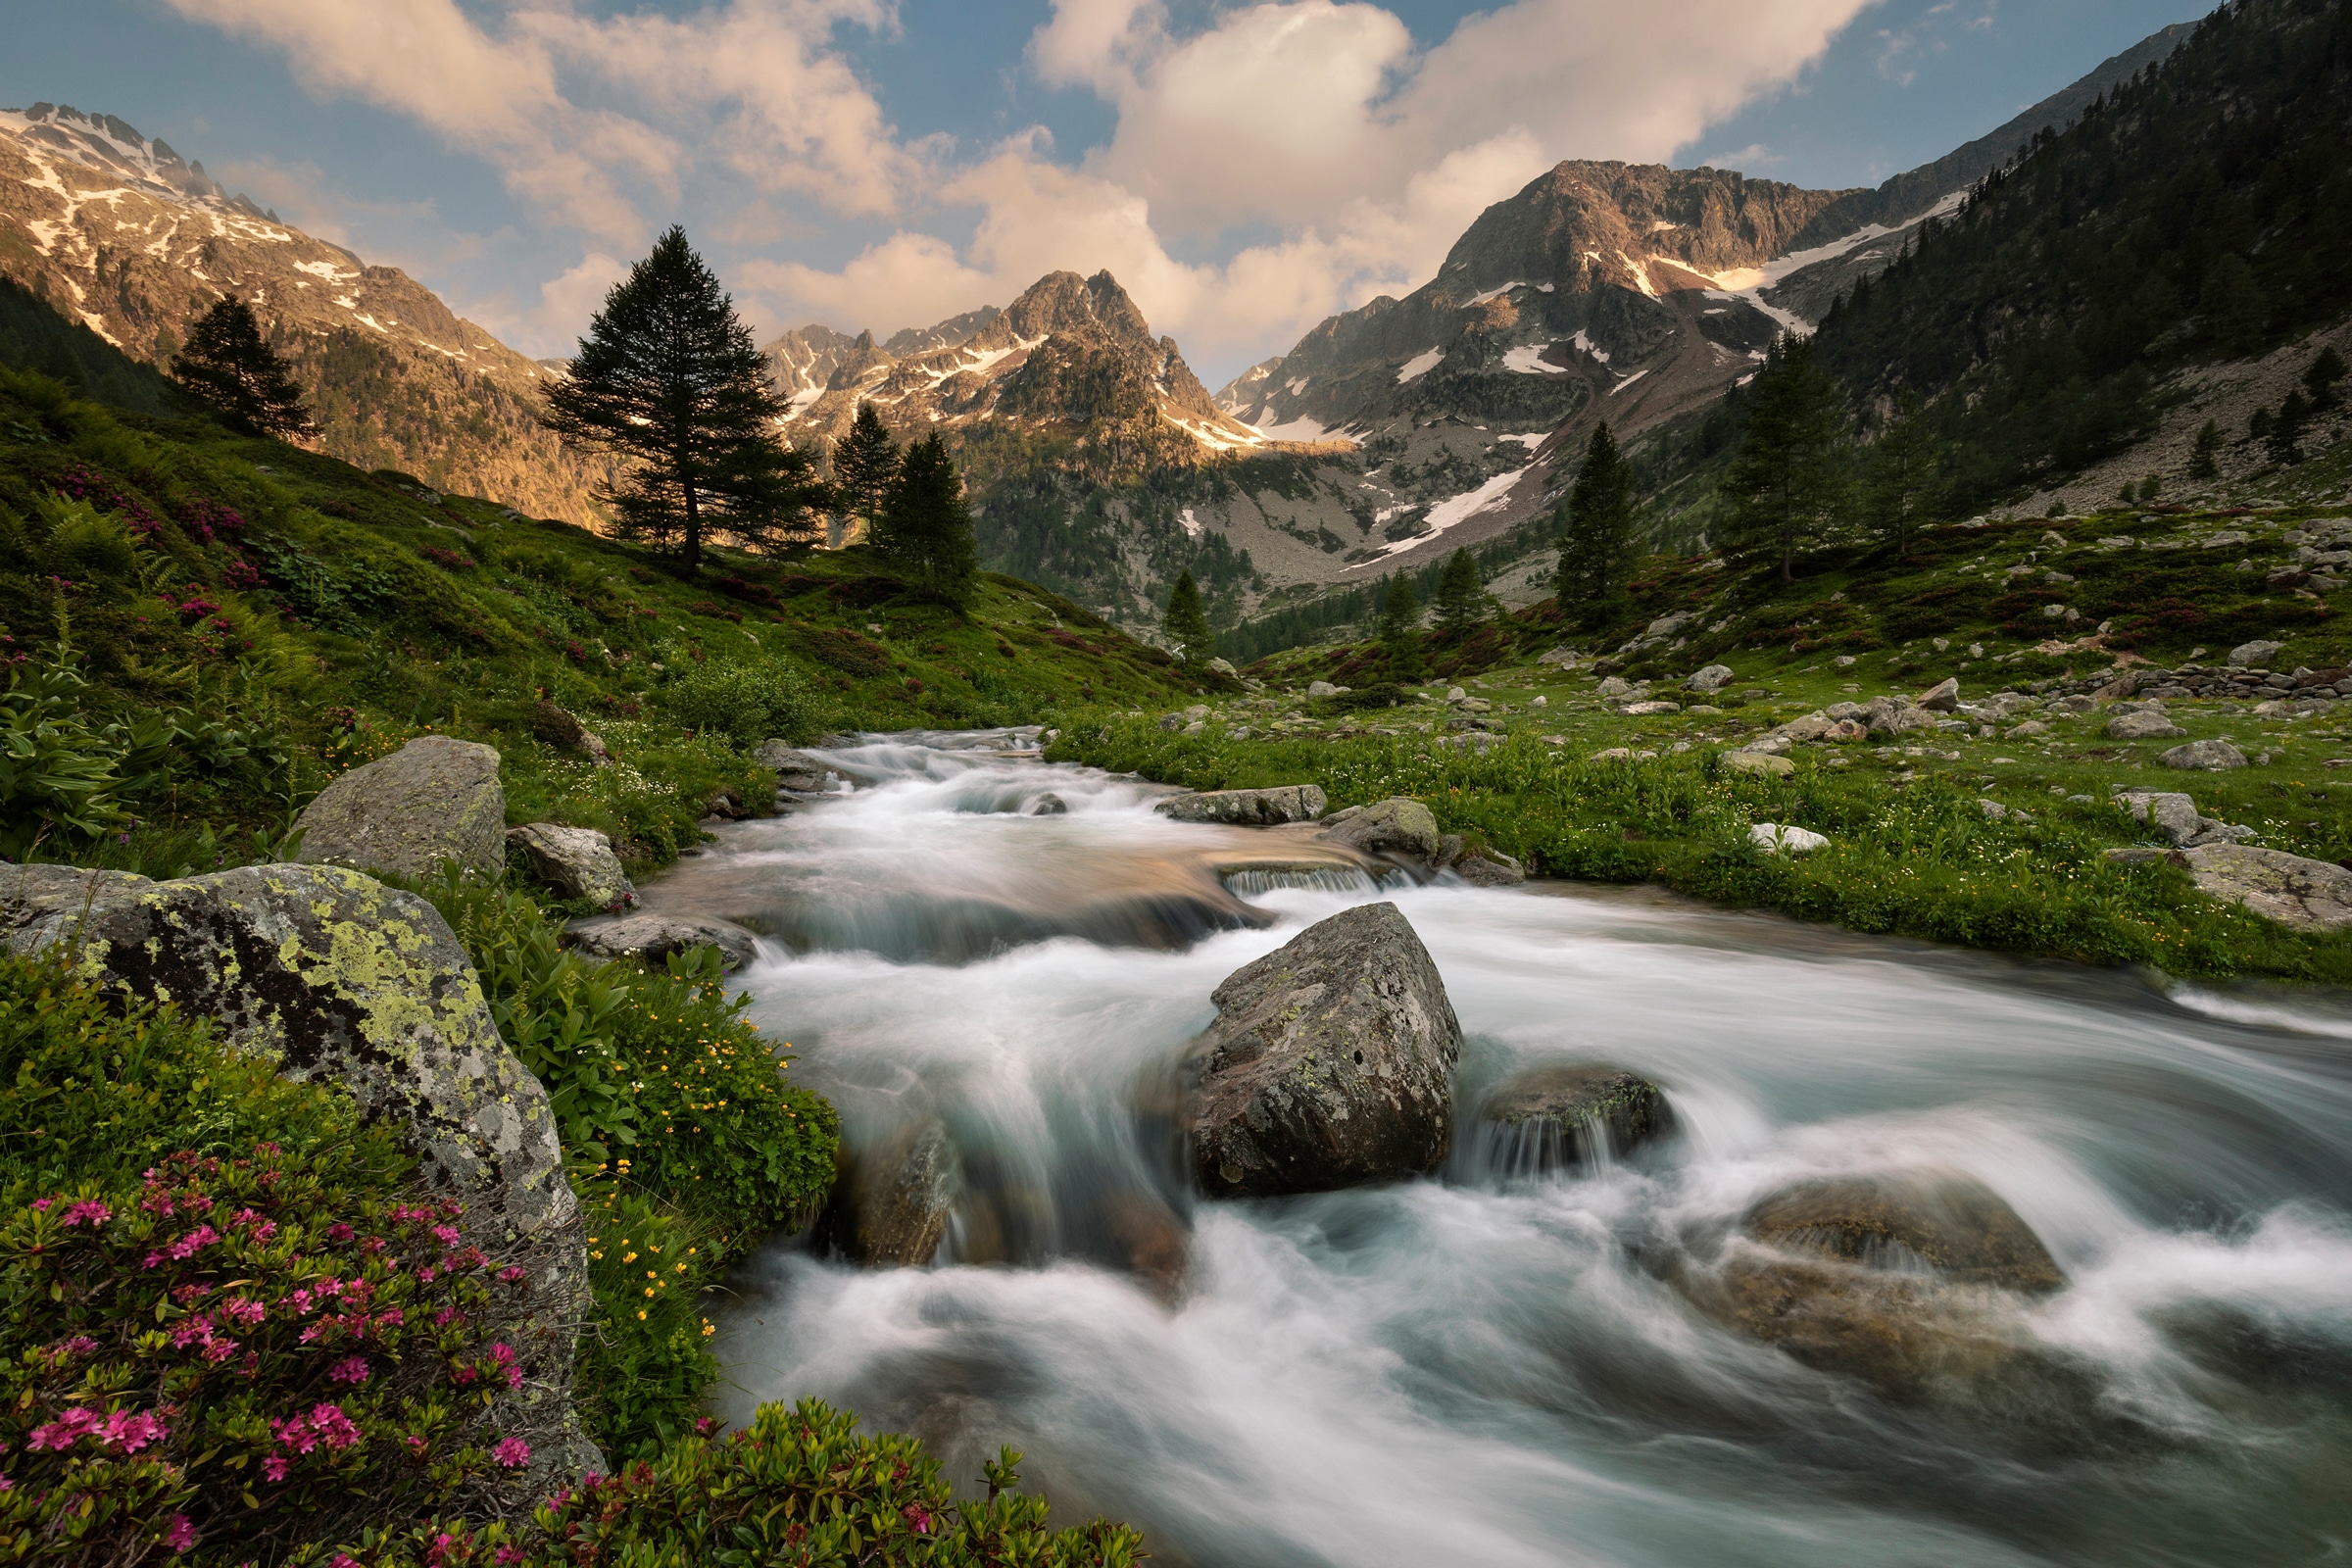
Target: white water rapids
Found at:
1477, 1370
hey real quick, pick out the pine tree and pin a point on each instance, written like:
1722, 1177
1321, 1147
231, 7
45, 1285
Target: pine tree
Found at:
1401, 628
230, 365
2319, 378
2231, 306
669, 380
1906, 475
1185, 624
2205, 457
1786, 481
1460, 604
1597, 532
863, 463
924, 527
2285, 438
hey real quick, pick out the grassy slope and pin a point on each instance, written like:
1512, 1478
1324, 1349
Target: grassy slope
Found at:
385, 611
1914, 851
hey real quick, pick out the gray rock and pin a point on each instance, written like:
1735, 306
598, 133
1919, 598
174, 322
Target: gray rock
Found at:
1713, 678
1331, 1063
1645, 709
1049, 805
1266, 808
796, 770
1616, 686
1398, 825
1758, 762
434, 799
1952, 1223
1942, 698
2304, 893
2174, 816
2207, 755
2143, 725
336, 979
2254, 655
1222, 667
578, 862
2145, 855
1573, 1115
891, 1203
1778, 838
1489, 869
1322, 688
1892, 715
2074, 707
652, 938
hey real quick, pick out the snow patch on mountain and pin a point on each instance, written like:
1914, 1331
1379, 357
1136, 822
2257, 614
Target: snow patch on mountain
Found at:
1454, 510
1420, 364
1528, 360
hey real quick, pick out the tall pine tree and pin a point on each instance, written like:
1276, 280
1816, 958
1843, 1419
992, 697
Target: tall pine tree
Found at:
863, 463
1185, 624
1906, 475
1401, 628
1460, 605
669, 380
1597, 532
1787, 481
925, 527
229, 365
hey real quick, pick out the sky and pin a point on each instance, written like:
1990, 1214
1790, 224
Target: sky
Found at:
1244, 169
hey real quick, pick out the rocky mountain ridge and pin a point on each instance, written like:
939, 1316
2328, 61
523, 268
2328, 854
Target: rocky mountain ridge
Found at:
120, 234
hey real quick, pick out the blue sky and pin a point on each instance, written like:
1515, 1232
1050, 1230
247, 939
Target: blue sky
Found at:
1244, 169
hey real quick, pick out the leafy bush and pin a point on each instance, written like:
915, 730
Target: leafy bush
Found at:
645, 1367
798, 1486
747, 702
246, 1356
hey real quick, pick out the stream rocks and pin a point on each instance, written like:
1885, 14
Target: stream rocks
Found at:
891, 1201
577, 863
1566, 1115
652, 938
796, 770
336, 979
2304, 893
434, 799
1266, 808
1478, 864
1398, 825
1330, 1064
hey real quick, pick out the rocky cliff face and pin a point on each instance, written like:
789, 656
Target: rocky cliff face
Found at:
123, 235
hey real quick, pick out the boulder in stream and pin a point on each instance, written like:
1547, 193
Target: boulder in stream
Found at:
1561, 1113
796, 770
1331, 1063
1398, 825
892, 1199
434, 799
1264, 807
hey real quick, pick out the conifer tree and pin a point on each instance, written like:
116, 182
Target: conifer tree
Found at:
2205, 457
229, 365
1186, 624
1401, 628
925, 527
2232, 305
1597, 532
1786, 481
668, 380
2319, 378
1906, 475
863, 463
1460, 604
2285, 437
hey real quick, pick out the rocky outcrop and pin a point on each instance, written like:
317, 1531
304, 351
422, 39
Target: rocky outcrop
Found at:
1564, 1117
337, 978
2304, 893
1398, 825
652, 938
1267, 807
1892, 715
577, 863
434, 799
892, 1201
796, 770
1331, 1063
2176, 818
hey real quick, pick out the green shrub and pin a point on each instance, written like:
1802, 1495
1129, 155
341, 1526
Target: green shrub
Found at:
645, 1363
798, 1486
747, 702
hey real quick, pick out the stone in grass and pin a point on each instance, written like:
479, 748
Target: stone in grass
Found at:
2143, 724
2146, 855
577, 863
1713, 678
1778, 838
2304, 893
1646, 710
1264, 807
1942, 698
434, 799
2206, 755
2255, 655
1758, 762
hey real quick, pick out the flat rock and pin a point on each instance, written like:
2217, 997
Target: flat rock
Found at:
1398, 825
2143, 725
2292, 889
2205, 755
1574, 1116
434, 799
652, 938
578, 862
1758, 762
1264, 807
1330, 1065
1645, 709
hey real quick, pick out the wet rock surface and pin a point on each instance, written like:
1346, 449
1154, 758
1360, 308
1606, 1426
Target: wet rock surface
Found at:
1331, 1063
655, 937
801, 772
1266, 808
1573, 1115
1398, 826
892, 1202
434, 799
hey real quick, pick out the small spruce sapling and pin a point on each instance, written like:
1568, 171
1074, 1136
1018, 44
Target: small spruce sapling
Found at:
2205, 457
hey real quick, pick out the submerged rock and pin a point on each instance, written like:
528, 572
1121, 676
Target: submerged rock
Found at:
2292, 889
1331, 1063
652, 938
796, 770
578, 862
1049, 805
1398, 825
434, 799
891, 1201
1560, 1112
1955, 1225
1267, 807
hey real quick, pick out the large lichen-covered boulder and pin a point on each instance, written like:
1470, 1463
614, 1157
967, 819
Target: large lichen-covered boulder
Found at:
1331, 1063
1398, 825
578, 862
434, 799
2293, 890
336, 977
1267, 807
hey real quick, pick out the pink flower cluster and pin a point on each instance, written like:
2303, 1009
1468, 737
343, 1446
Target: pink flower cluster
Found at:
187, 1246
79, 483
325, 1425
207, 519
116, 1430
243, 577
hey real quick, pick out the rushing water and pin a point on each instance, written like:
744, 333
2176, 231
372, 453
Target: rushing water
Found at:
1484, 1369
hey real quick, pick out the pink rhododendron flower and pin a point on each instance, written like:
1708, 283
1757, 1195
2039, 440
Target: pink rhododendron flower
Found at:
512, 1452
179, 1535
350, 1369
90, 1210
